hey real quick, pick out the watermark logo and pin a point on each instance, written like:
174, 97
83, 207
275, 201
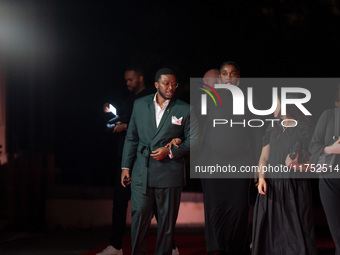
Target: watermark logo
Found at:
204, 97
239, 99
244, 112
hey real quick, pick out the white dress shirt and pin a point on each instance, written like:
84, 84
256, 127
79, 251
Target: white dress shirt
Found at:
159, 109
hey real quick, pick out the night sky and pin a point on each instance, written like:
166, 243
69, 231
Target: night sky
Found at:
93, 41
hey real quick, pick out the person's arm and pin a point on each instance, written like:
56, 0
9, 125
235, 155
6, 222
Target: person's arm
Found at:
120, 127
190, 137
130, 148
174, 142
317, 144
333, 149
162, 152
262, 185
256, 135
302, 160
294, 164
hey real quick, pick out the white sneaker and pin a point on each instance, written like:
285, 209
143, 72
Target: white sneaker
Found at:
175, 251
110, 250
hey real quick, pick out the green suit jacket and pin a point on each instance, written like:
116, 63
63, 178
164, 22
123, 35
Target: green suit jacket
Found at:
143, 137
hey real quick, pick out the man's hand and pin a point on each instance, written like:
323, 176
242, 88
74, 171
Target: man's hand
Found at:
106, 107
120, 127
125, 174
160, 153
334, 148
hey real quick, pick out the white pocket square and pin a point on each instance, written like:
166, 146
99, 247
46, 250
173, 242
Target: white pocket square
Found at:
176, 121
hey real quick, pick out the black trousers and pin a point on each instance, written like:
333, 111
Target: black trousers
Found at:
121, 199
167, 201
226, 211
330, 198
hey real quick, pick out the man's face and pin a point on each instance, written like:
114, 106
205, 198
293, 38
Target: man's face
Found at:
229, 75
132, 80
166, 86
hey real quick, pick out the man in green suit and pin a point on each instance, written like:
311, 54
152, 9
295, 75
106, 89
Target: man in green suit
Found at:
157, 172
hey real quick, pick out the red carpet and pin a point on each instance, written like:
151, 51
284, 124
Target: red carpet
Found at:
325, 243
195, 245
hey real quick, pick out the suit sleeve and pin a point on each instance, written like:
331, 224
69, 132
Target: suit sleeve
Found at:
317, 144
191, 136
131, 142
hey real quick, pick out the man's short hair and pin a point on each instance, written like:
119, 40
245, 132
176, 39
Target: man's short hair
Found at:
231, 63
136, 68
163, 71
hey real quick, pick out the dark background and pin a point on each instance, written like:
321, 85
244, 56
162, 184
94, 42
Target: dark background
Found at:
76, 51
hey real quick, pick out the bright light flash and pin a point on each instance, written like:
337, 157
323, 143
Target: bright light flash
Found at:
113, 109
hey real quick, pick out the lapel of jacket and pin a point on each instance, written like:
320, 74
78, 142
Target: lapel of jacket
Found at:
151, 113
165, 116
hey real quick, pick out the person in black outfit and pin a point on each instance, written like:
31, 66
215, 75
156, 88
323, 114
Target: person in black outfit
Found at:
134, 78
329, 183
226, 206
283, 221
